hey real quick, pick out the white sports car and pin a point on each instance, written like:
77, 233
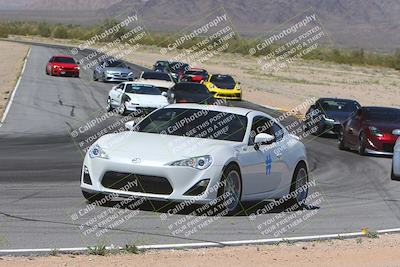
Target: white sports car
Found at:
161, 80
396, 158
199, 153
135, 96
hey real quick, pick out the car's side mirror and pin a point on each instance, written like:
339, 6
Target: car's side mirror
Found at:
130, 125
136, 77
396, 132
164, 94
129, 67
78, 62
263, 139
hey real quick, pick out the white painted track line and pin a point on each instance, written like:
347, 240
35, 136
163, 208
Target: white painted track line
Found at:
206, 244
15, 89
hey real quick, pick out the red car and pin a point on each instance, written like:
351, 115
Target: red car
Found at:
61, 65
369, 131
194, 75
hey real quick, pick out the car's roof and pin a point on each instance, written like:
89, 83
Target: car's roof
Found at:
196, 69
372, 108
336, 99
155, 72
139, 83
62, 56
233, 110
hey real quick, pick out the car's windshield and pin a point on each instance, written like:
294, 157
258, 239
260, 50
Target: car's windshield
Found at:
338, 105
195, 72
222, 79
192, 88
178, 66
64, 60
195, 123
115, 64
383, 114
156, 76
142, 89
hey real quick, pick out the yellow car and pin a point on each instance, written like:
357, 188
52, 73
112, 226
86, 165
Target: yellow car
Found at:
223, 86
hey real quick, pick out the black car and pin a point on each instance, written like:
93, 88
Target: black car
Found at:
326, 115
177, 69
190, 92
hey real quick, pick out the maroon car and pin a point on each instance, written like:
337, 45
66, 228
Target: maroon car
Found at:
369, 131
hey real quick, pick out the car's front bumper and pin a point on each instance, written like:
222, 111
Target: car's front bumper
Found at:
109, 77
376, 146
174, 181
230, 94
66, 72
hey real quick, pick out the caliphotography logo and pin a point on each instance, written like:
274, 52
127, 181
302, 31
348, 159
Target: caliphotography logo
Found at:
199, 133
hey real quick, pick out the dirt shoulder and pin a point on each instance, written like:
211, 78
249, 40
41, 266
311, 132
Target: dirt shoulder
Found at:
12, 58
289, 87
382, 251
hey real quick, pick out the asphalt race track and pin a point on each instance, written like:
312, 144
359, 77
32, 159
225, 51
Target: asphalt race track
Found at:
40, 166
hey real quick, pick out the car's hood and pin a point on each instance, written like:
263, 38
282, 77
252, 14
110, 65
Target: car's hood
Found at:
339, 116
156, 148
148, 99
66, 65
157, 83
222, 85
386, 127
117, 69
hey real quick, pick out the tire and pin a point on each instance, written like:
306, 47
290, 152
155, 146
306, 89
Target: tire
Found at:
393, 176
299, 179
93, 197
109, 106
232, 183
361, 144
122, 109
341, 141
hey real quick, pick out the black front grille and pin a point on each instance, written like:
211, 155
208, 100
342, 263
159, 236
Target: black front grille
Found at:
387, 147
136, 183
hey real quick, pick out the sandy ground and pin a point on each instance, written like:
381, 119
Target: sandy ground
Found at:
292, 86
12, 57
364, 251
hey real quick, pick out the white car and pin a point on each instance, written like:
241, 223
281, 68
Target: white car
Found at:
396, 158
135, 96
199, 153
161, 80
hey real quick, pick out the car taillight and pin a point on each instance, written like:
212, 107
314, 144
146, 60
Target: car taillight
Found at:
183, 101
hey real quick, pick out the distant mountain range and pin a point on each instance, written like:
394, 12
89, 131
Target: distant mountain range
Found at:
371, 24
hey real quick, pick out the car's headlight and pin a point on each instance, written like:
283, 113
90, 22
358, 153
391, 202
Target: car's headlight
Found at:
375, 131
327, 118
130, 74
238, 86
56, 67
97, 152
77, 68
199, 163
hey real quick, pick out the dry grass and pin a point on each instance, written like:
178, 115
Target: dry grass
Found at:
12, 57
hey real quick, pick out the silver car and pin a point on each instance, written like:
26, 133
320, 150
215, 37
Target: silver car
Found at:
112, 71
396, 158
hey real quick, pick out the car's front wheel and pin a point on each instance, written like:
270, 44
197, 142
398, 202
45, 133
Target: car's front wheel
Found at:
361, 144
341, 140
299, 185
394, 177
109, 106
230, 192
